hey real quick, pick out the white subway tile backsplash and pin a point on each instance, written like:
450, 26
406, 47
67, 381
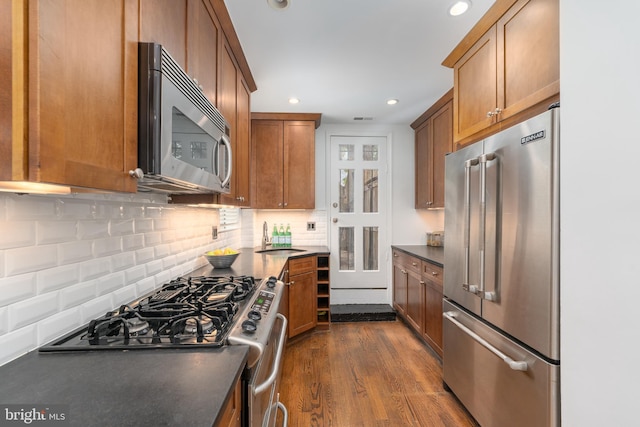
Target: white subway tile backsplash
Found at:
57, 325
168, 262
4, 323
55, 278
17, 343
143, 225
121, 227
94, 268
32, 258
65, 260
95, 308
93, 229
146, 285
153, 238
144, 255
124, 295
154, 267
56, 231
135, 274
31, 310
16, 234
30, 207
72, 252
123, 261
106, 247
17, 288
110, 283
133, 241
75, 295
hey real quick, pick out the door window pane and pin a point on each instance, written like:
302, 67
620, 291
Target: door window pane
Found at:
370, 152
370, 190
346, 190
346, 151
347, 256
370, 248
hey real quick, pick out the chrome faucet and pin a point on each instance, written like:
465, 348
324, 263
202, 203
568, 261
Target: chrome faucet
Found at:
265, 236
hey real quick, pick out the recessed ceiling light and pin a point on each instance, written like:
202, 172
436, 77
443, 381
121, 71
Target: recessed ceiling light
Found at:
293, 100
392, 101
278, 4
459, 7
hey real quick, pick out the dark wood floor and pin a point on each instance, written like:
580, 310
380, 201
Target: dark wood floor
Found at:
366, 374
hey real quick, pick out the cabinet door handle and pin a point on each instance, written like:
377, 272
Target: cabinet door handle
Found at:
434, 273
494, 112
422, 282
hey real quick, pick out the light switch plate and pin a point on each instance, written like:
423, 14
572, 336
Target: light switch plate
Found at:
214, 232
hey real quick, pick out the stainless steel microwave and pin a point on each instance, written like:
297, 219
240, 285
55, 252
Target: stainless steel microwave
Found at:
183, 140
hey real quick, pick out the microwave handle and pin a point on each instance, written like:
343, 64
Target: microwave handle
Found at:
225, 141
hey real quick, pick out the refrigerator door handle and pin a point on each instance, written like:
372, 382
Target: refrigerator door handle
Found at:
467, 224
513, 364
483, 159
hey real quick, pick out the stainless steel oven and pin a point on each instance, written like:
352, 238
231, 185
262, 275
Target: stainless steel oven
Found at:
264, 330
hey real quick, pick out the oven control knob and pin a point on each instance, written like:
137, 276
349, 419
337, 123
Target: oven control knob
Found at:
249, 326
254, 315
271, 283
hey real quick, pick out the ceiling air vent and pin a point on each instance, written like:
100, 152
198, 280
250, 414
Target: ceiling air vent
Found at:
362, 118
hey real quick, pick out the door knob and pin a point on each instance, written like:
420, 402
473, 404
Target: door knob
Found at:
334, 220
335, 205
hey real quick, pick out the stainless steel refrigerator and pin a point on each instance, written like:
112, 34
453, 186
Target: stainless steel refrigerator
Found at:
501, 354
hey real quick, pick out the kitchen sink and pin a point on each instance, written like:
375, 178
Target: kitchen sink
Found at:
278, 251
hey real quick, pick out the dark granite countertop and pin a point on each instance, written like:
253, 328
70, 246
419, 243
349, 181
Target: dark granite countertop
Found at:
432, 254
261, 265
167, 387
159, 387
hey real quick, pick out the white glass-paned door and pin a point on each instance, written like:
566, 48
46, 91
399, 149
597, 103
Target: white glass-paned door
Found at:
358, 211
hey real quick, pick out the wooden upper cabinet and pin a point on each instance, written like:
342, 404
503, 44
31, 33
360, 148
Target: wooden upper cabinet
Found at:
299, 178
78, 126
242, 154
283, 151
165, 22
203, 34
434, 139
475, 87
529, 37
507, 69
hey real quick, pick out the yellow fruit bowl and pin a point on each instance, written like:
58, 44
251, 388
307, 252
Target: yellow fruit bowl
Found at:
222, 259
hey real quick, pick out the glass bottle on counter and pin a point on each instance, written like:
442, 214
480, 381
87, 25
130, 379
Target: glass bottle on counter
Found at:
281, 241
287, 237
275, 237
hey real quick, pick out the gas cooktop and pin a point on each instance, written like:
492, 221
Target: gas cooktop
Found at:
184, 312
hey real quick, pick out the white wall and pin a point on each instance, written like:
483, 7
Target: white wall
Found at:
65, 260
600, 206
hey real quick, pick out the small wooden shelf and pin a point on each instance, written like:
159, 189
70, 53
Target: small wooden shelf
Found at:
323, 295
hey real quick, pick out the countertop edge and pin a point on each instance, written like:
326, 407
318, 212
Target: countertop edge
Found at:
430, 254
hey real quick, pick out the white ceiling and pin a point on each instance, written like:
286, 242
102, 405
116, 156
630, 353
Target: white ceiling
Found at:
345, 58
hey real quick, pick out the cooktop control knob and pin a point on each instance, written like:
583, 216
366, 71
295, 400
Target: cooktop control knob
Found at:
249, 326
271, 282
254, 315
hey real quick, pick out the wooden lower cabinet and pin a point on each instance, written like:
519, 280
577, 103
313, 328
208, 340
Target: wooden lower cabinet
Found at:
417, 296
232, 412
301, 295
432, 303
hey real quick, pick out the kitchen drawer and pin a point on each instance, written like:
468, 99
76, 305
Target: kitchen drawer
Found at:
413, 264
433, 273
302, 265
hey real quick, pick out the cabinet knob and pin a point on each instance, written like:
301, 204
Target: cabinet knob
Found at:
422, 282
240, 198
136, 173
434, 273
494, 112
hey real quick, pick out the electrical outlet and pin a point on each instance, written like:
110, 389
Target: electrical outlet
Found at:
311, 226
214, 232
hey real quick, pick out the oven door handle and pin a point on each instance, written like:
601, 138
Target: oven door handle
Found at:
276, 363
